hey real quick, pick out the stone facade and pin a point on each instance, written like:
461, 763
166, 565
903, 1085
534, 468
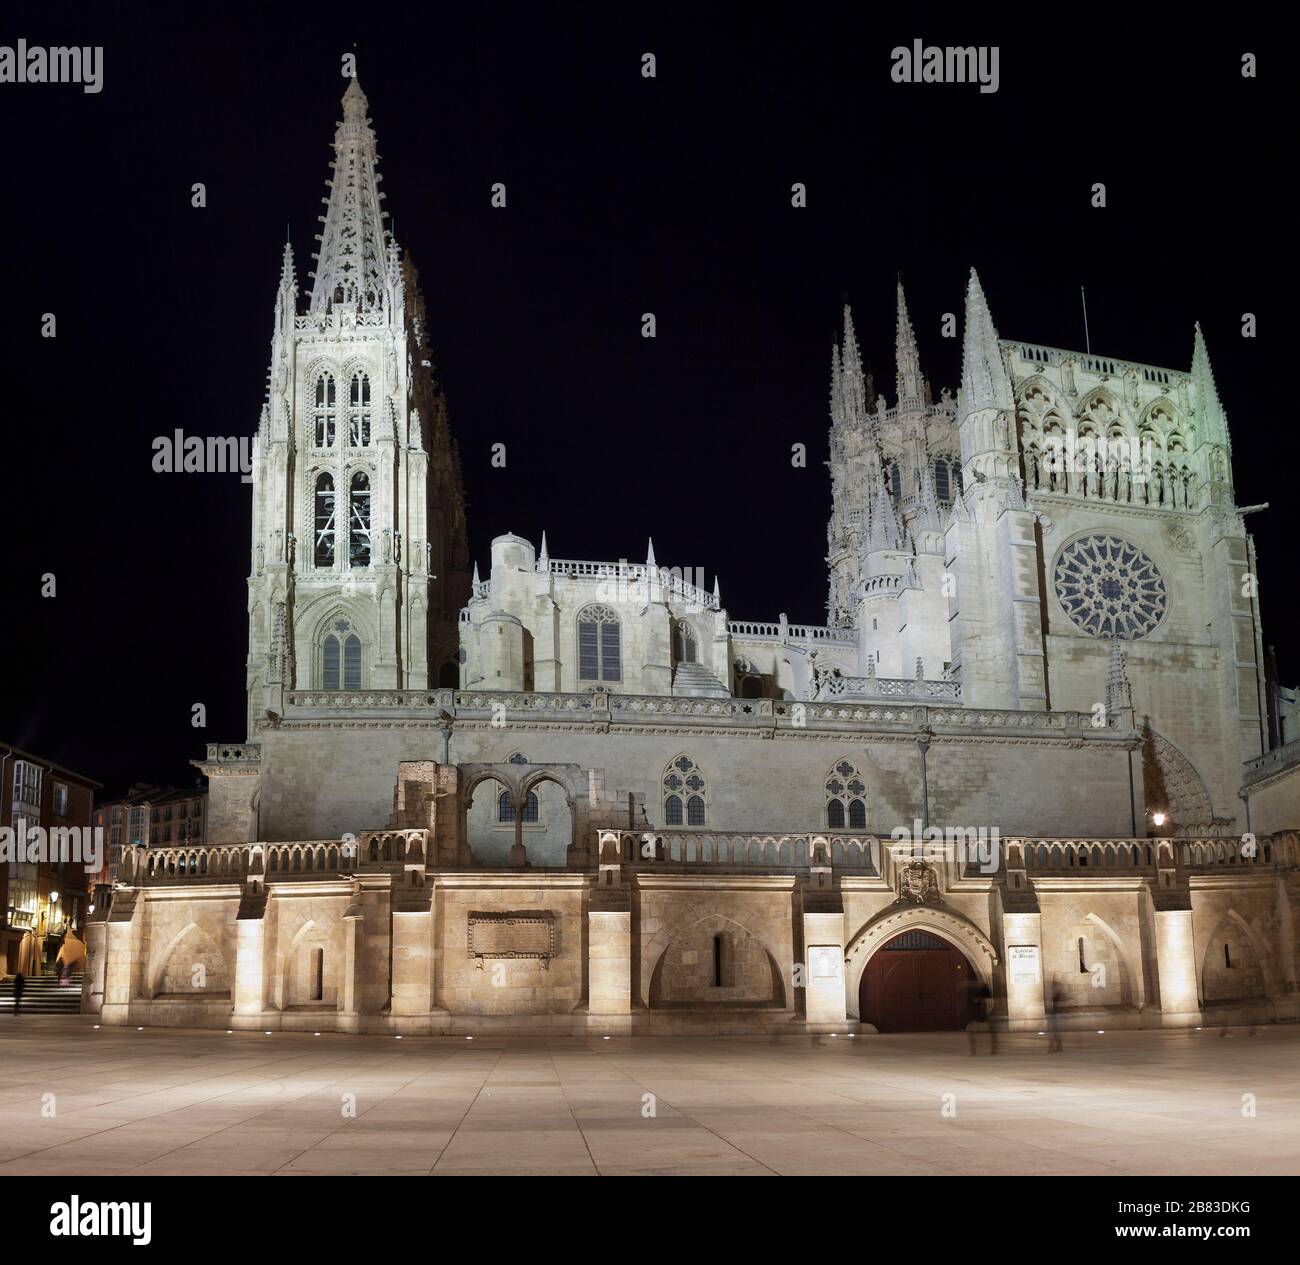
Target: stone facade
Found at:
576, 796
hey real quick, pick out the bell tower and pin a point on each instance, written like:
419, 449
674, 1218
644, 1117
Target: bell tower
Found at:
359, 553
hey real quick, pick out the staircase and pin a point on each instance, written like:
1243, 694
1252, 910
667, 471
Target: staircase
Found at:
693, 680
43, 996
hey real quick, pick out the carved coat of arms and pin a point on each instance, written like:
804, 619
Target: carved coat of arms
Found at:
918, 884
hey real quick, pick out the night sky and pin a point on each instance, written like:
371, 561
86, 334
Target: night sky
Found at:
625, 196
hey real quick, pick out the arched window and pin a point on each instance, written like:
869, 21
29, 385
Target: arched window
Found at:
506, 810
942, 486
846, 798
325, 521
359, 411
341, 658
449, 675
359, 520
325, 414
895, 477
599, 657
684, 643
685, 794
352, 662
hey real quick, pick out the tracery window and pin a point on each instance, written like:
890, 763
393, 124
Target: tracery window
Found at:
326, 411
359, 411
326, 533
685, 793
846, 797
599, 648
684, 646
359, 521
341, 658
1109, 587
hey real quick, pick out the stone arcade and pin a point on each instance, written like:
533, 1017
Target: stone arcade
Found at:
576, 796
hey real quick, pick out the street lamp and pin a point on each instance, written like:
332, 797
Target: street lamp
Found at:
1158, 819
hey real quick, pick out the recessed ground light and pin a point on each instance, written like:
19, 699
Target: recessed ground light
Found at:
604, 1038
852, 1035
268, 1033
469, 1038
399, 1036
1101, 1032
1042, 1034
139, 1029
97, 1027
230, 1032
317, 1034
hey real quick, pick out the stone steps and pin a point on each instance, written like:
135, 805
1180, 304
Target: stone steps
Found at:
43, 996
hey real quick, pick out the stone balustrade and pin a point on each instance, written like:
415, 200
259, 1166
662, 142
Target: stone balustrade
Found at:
736, 850
853, 853
880, 687
1271, 763
903, 713
1051, 857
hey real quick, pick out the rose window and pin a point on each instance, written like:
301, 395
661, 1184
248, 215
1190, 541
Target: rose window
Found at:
1109, 587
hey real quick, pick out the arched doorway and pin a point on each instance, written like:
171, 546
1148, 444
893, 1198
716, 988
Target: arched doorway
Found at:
917, 982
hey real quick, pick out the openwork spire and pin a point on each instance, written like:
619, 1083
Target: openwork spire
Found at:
984, 382
852, 383
1211, 421
907, 358
351, 266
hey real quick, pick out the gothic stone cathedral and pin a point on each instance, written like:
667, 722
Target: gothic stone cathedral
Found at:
1027, 749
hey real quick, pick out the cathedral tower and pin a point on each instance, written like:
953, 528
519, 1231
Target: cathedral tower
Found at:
995, 595
359, 553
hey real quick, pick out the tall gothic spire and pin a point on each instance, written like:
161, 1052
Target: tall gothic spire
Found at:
907, 358
1211, 421
837, 387
352, 262
853, 385
984, 382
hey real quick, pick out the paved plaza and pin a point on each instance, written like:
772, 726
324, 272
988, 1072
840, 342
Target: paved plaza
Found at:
182, 1102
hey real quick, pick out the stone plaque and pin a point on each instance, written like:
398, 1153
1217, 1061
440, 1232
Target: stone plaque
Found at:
824, 962
1023, 961
516, 934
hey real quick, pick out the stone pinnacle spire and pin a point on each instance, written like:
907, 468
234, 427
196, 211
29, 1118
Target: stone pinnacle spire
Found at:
984, 382
837, 387
1119, 694
352, 262
907, 358
853, 386
1211, 420
288, 280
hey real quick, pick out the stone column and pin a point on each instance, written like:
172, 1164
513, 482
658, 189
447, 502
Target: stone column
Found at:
122, 953
823, 937
1176, 965
414, 951
1171, 902
349, 1000
609, 942
1022, 944
250, 963
92, 986
1022, 955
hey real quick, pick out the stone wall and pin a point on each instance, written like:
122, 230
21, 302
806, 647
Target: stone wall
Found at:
659, 946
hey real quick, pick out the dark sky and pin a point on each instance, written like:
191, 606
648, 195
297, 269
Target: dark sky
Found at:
625, 196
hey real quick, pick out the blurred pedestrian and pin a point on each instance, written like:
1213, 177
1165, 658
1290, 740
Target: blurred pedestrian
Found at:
20, 982
1055, 1045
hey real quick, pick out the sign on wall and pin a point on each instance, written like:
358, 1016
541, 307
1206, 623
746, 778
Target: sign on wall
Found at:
1023, 962
824, 962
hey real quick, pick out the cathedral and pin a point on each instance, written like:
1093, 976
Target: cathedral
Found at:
1027, 751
